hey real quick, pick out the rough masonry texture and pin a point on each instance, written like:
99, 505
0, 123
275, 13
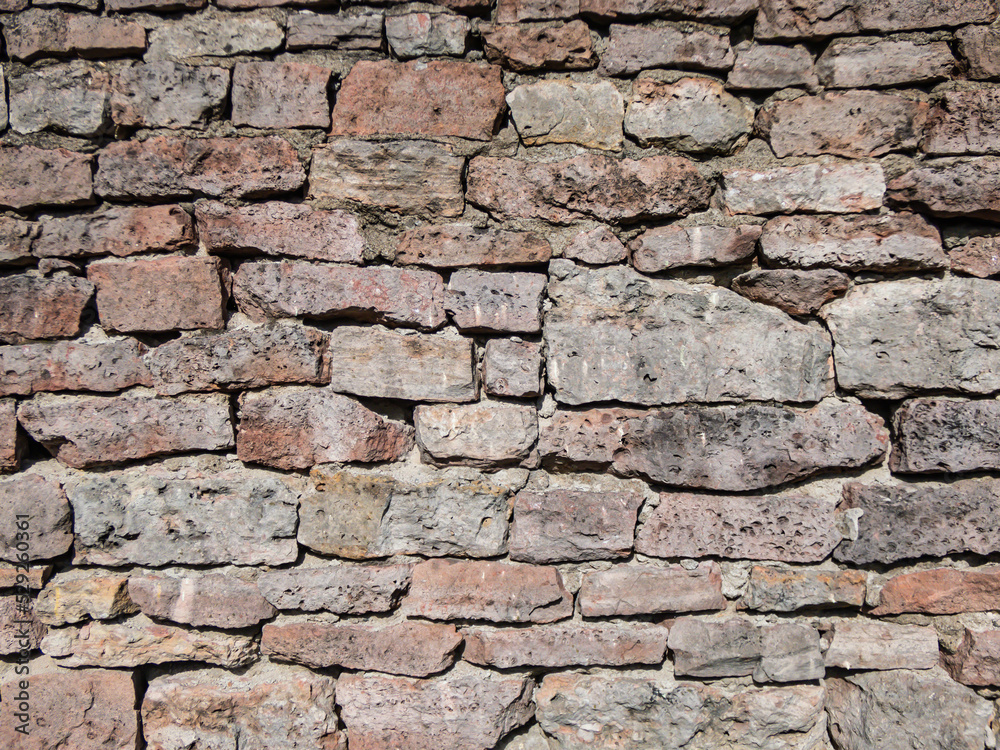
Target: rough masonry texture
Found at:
514, 375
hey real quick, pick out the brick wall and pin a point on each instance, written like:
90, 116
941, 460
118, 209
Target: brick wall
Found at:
559, 374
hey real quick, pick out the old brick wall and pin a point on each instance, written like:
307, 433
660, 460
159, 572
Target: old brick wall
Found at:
557, 374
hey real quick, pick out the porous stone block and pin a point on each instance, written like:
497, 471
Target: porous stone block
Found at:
38, 307
43, 504
870, 61
512, 368
280, 95
483, 434
341, 589
212, 600
634, 48
115, 230
460, 245
564, 111
941, 591
70, 98
524, 47
44, 177
948, 188
808, 188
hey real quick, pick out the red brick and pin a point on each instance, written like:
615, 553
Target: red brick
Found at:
36, 33
50, 532
40, 177
411, 298
295, 428
416, 649
587, 186
573, 525
280, 229
852, 124
964, 122
86, 708
423, 99
796, 292
72, 366
459, 245
487, 590
36, 307
280, 95
492, 301
174, 167
83, 431
523, 48
118, 230
566, 646
941, 591
645, 589
161, 294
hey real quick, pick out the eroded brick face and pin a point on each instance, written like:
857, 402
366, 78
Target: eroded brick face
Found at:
529, 375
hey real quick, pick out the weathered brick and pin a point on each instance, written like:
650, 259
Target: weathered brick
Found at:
213, 34
381, 363
789, 19
70, 598
979, 257
37, 33
565, 646
512, 11
612, 334
789, 528
597, 247
73, 708
421, 33
734, 647
489, 433
50, 528
523, 47
964, 122
280, 95
980, 46
588, 186
977, 660
161, 294
71, 98
212, 600
408, 177
882, 709
174, 167
84, 431
44, 177
341, 589
36, 307
166, 94
564, 111
20, 629
633, 710
951, 188
295, 428
760, 66
115, 230
870, 61
512, 368
645, 589
796, 292
887, 243
361, 514
382, 294
877, 354
238, 358
867, 644
936, 434
415, 649
436, 98
660, 248
72, 366
16, 236
138, 641
493, 301
459, 245
941, 591
903, 522
850, 123
275, 228
192, 512
811, 188
783, 589
487, 590
362, 30
275, 707
470, 709
692, 114
634, 48
12, 443
559, 525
